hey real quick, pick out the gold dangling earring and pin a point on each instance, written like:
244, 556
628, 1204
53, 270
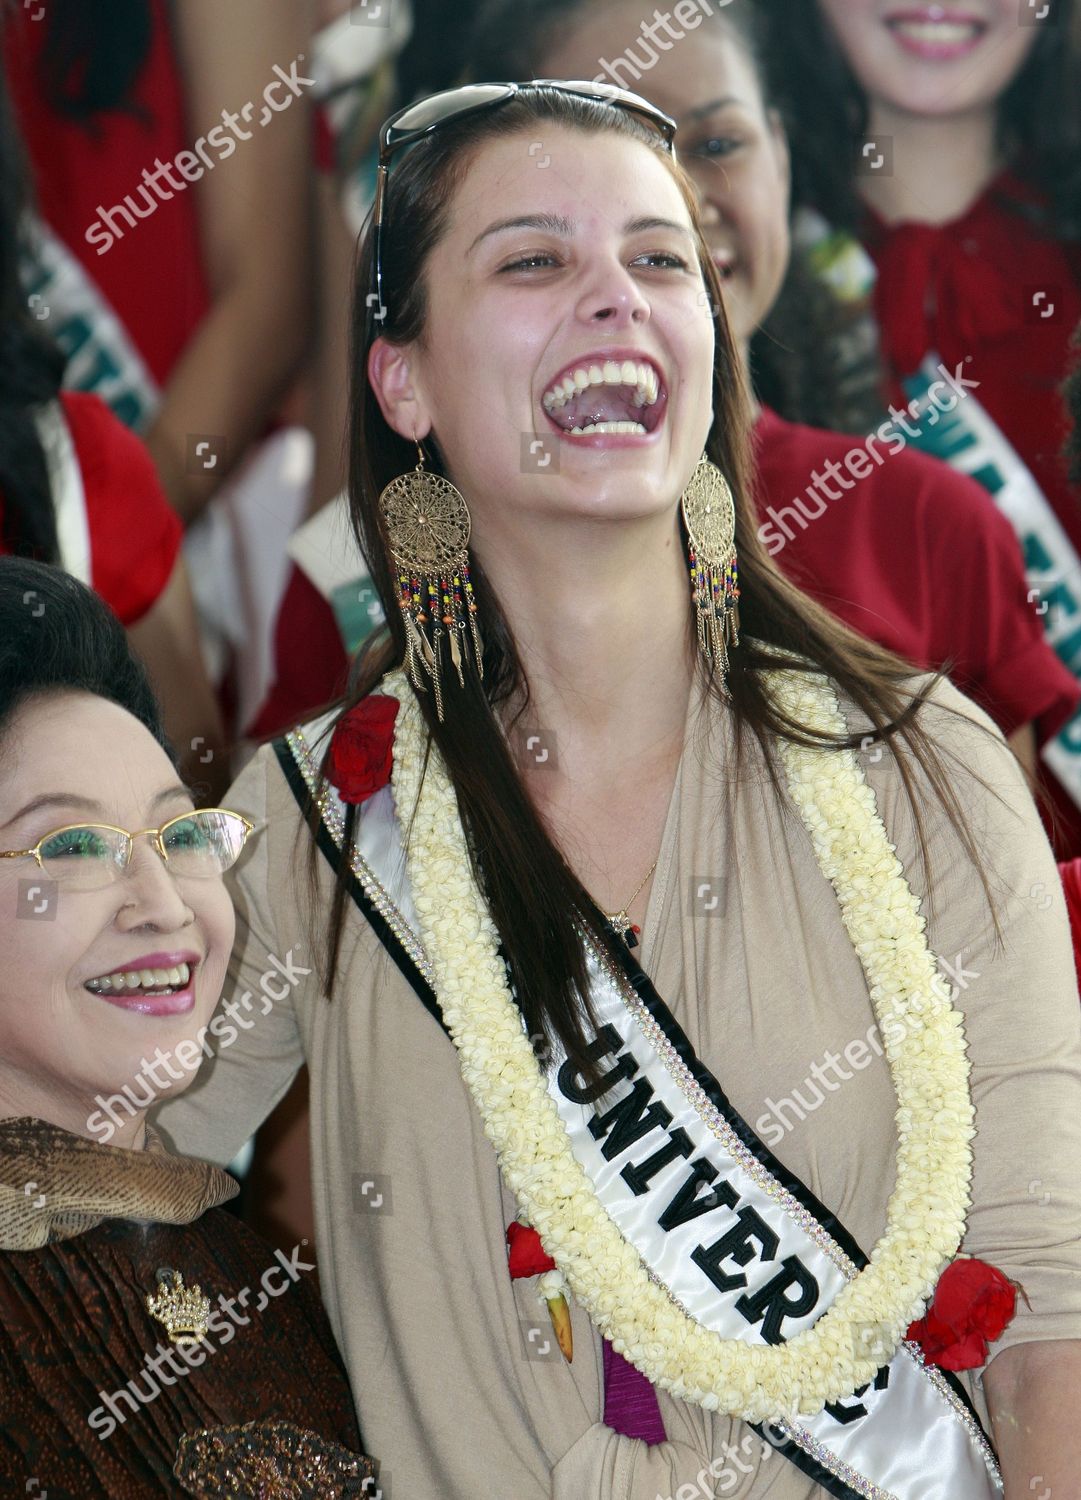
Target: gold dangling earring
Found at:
709, 514
428, 525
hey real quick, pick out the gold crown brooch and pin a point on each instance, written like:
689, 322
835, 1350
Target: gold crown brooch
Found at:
184, 1310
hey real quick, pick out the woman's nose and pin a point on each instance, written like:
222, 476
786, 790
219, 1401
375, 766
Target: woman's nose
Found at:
614, 296
150, 893
711, 199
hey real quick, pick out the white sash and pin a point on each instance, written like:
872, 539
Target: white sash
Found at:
66, 487
742, 1246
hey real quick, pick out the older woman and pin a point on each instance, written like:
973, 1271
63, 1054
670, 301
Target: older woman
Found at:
613, 872
146, 1337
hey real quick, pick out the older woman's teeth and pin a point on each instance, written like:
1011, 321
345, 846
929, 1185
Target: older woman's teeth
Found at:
641, 377
150, 981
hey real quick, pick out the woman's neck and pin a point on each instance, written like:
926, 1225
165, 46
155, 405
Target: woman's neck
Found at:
600, 614
20, 1098
934, 168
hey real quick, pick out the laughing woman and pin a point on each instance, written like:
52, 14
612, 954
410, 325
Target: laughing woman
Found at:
150, 1345
628, 868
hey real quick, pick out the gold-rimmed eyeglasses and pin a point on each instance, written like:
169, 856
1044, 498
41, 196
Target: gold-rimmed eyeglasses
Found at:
88, 856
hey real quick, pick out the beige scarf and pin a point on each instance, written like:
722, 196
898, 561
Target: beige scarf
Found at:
55, 1185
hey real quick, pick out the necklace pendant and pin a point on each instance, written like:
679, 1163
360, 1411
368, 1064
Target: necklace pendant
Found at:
624, 928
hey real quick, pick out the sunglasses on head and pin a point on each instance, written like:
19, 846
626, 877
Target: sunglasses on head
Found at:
418, 120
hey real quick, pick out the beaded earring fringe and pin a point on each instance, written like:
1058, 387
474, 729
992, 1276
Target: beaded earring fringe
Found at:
419, 598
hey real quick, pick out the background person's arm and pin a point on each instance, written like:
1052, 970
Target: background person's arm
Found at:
255, 230
166, 639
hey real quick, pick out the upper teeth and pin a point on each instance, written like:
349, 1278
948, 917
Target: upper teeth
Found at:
146, 979
641, 376
937, 31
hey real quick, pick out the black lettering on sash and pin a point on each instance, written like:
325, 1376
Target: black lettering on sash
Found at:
846, 1414
629, 1120
687, 1205
739, 1243
608, 1042
771, 1305
638, 1177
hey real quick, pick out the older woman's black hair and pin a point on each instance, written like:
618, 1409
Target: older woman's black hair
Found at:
57, 636
1039, 115
808, 360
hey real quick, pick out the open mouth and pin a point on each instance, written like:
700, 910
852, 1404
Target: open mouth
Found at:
142, 981
609, 396
934, 31
155, 990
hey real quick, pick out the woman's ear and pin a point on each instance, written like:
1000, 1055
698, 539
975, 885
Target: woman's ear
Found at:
392, 377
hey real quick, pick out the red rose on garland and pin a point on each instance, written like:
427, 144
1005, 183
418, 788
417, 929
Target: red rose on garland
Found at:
362, 749
527, 1257
973, 1303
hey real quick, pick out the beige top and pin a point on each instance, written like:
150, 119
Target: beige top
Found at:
453, 1396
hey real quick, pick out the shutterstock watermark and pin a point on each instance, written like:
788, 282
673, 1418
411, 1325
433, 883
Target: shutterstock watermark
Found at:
827, 1076
216, 146
222, 1320
148, 1086
943, 397
722, 1475
685, 16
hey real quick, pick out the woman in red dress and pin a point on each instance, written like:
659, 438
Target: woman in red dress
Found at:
171, 160
945, 139
79, 490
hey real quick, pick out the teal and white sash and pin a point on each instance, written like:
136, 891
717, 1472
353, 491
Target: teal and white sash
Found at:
970, 441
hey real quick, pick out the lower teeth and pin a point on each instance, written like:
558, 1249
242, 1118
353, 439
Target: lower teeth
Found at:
607, 427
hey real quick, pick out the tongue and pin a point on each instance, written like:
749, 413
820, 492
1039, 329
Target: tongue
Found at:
598, 403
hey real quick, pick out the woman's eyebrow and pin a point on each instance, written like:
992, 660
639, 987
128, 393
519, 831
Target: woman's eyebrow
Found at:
636, 226
701, 111
77, 804
552, 223
557, 224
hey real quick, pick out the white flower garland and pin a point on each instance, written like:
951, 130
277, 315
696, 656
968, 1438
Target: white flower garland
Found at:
922, 1039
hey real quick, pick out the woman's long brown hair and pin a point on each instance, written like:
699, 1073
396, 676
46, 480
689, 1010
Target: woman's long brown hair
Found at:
536, 901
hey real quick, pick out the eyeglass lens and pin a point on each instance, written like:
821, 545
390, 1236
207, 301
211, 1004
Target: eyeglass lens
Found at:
202, 844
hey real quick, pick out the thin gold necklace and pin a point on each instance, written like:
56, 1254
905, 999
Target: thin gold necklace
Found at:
620, 922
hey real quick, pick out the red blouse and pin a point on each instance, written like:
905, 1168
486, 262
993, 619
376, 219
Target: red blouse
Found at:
135, 534
916, 557
995, 291
153, 275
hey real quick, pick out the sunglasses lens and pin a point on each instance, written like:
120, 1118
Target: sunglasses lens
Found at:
442, 107
610, 93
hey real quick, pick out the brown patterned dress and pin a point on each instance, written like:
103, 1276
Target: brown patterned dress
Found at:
97, 1395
